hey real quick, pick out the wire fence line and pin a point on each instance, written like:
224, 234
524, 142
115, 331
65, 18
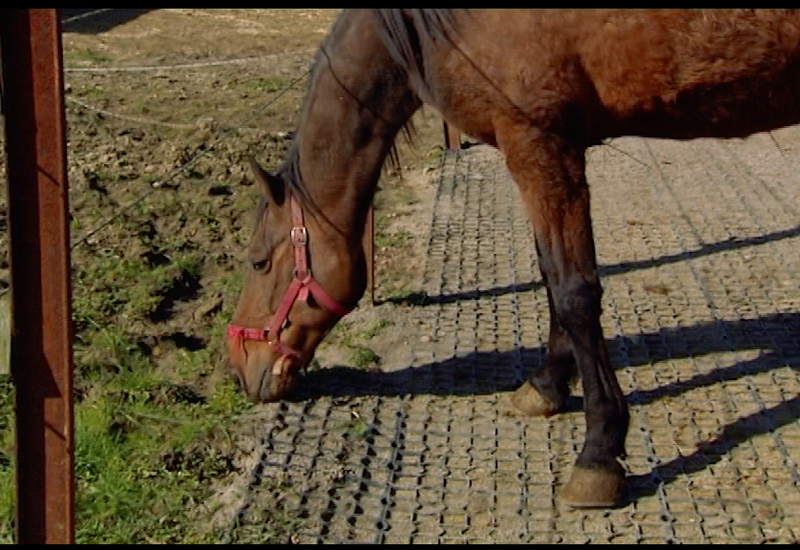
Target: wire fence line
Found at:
197, 65
86, 15
204, 149
137, 120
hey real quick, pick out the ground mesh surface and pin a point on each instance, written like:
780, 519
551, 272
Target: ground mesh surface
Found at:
698, 250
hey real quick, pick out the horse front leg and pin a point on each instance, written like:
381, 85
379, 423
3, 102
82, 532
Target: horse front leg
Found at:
547, 388
550, 175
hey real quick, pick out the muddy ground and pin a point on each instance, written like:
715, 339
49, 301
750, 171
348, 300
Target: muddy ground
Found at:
160, 88
163, 107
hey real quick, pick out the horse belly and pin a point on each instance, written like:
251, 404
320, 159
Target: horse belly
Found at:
732, 110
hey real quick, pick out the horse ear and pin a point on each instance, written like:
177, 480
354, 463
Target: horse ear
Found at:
271, 185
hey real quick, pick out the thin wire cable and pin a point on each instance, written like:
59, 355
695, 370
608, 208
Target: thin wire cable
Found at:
197, 65
172, 175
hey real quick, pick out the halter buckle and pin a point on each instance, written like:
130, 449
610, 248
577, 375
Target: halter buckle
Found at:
299, 236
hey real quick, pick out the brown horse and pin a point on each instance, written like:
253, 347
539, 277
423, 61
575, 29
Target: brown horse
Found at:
542, 86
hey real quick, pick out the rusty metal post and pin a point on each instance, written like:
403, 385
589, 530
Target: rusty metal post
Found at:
452, 137
41, 348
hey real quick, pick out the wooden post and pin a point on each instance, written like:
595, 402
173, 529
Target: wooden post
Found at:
452, 137
369, 251
41, 345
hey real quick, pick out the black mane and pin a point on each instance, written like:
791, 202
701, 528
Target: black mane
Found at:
404, 32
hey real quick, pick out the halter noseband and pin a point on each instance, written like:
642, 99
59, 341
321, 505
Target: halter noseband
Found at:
301, 286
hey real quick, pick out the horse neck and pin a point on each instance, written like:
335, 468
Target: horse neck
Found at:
357, 102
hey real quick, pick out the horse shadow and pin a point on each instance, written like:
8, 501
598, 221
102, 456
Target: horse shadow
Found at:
733, 243
489, 372
95, 21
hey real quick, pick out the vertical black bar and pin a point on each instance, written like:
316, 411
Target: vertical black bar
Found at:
369, 251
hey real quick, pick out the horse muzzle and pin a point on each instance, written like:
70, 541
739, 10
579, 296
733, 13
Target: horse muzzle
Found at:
267, 369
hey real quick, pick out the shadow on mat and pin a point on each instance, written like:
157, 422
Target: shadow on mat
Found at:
490, 372
422, 299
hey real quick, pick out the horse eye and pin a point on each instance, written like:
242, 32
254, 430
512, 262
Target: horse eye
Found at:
261, 265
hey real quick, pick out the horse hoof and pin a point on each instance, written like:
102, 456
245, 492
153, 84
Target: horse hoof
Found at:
530, 402
594, 488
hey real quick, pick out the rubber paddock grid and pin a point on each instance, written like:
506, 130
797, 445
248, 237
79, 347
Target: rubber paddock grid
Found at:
698, 250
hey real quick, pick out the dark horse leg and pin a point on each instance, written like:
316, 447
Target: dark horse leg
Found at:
549, 172
548, 387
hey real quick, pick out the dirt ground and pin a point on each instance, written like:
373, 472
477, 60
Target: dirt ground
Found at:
154, 89
163, 107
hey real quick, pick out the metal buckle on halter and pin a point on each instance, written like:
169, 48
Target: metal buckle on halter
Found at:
299, 236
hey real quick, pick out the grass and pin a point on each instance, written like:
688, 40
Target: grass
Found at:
148, 445
360, 355
393, 239
7, 459
85, 57
147, 451
363, 357
154, 427
150, 434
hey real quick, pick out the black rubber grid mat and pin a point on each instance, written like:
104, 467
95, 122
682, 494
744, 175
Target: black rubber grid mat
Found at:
698, 250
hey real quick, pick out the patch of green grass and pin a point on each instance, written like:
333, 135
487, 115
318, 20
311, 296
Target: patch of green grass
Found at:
149, 443
357, 428
386, 199
86, 56
372, 330
396, 239
362, 356
359, 353
7, 495
344, 334
128, 286
93, 91
146, 453
7, 460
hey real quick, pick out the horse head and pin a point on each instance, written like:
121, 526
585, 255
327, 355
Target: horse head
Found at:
285, 309
307, 266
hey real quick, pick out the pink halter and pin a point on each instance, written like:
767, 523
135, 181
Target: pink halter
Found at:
301, 286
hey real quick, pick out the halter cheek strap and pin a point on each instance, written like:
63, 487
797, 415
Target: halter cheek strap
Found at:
301, 286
